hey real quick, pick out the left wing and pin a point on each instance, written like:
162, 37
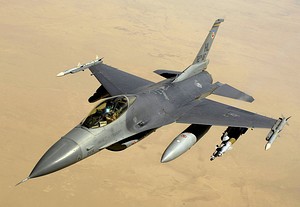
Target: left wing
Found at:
209, 112
116, 81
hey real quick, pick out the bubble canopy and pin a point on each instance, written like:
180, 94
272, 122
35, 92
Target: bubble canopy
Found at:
107, 111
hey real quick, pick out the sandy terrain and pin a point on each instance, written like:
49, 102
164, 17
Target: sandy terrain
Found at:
257, 50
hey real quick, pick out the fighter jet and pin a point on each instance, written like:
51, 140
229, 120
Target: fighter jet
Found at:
129, 108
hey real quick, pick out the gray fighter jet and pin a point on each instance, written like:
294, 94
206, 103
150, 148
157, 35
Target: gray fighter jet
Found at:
131, 108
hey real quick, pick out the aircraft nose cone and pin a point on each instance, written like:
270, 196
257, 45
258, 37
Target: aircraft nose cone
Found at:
63, 153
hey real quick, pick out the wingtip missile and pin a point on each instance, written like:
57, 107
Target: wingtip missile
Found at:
80, 67
268, 146
60, 74
274, 132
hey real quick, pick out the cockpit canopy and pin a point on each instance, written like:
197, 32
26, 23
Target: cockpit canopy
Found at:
107, 111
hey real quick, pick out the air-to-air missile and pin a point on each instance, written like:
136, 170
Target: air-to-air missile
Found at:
274, 132
184, 141
80, 67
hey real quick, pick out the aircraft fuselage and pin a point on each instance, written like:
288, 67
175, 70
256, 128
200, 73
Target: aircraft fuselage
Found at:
151, 108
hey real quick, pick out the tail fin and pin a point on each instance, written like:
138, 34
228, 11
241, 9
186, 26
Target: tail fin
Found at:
203, 52
200, 63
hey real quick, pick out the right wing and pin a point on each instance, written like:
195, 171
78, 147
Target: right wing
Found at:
118, 82
209, 112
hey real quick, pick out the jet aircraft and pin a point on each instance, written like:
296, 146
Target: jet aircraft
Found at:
130, 108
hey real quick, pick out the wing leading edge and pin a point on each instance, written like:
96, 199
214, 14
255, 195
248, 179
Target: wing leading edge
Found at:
210, 112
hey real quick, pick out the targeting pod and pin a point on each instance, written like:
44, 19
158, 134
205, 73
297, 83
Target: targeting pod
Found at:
274, 133
125, 143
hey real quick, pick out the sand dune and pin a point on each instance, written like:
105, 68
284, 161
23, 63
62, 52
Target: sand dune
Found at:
256, 50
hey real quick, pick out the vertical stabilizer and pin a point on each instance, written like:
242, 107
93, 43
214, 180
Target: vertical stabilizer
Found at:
203, 52
200, 63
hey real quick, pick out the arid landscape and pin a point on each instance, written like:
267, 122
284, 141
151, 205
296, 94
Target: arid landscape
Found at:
256, 50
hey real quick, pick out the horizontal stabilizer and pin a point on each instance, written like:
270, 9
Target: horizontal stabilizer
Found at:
167, 73
231, 92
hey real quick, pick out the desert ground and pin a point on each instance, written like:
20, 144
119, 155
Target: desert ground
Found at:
256, 50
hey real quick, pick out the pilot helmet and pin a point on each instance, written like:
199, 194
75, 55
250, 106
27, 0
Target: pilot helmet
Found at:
109, 107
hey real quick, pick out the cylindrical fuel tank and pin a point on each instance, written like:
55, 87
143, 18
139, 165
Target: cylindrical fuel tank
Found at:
184, 141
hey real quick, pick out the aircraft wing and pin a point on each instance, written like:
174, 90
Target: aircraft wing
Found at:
116, 81
209, 112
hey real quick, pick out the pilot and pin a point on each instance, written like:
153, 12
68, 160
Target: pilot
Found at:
109, 113
109, 107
